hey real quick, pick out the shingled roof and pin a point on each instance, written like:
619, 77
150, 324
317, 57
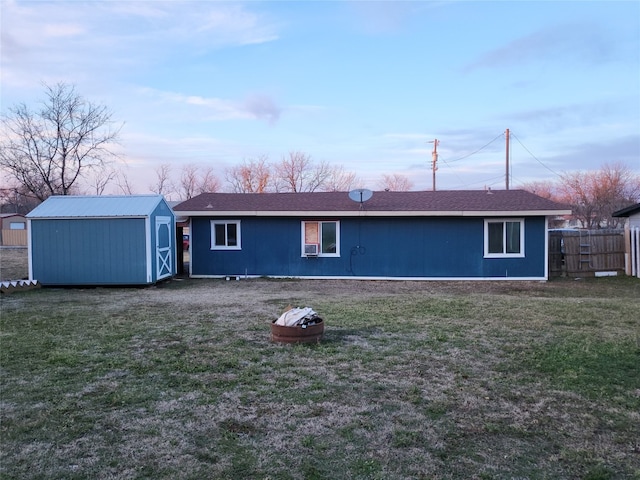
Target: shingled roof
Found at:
440, 203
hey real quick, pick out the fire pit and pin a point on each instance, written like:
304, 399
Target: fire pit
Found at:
297, 325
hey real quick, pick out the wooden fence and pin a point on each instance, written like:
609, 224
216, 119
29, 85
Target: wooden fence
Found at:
584, 253
13, 238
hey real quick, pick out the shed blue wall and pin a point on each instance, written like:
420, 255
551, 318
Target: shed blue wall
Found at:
89, 251
369, 247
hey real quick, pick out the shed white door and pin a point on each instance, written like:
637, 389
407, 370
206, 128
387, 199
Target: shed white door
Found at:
163, 247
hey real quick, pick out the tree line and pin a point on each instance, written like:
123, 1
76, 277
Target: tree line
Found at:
66, 147
593, 195
294, 172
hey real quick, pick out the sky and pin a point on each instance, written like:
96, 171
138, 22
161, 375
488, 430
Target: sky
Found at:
364, 85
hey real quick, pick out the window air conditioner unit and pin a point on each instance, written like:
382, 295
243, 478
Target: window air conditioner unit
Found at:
311, 249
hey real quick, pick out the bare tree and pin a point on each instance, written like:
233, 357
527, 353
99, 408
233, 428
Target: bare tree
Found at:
617, 187
298, 173
163, 185
208, 182
49, 150
549, 190
252, 176
340, 180
15, 199
595, 195
195, 180
99, 180
188, 181
395, 183
543, 188
122, 180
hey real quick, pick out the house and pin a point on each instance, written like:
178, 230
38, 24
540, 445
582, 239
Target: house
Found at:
632, 238
13, 230
439, 235
102, 240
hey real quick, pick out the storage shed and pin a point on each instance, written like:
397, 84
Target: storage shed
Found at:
102, 240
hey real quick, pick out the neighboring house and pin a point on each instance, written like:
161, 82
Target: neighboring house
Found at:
632, 236
393, 235
13, 231
632, 212
102, 240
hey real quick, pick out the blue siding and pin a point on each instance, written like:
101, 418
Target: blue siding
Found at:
89, 251
370, 247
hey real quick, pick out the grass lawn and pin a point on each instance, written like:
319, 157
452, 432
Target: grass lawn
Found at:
412, 380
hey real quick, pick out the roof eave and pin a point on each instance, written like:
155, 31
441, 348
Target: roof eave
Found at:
84, 217
372, 213
626, 212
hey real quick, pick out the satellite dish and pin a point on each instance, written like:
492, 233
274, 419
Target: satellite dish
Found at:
360, 195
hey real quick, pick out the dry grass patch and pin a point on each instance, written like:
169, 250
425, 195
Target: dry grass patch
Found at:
412, 380
14, 263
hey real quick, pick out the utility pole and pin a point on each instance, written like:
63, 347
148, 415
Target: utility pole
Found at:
507, 157
434, 161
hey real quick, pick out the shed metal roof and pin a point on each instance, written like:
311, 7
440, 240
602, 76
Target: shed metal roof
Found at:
424, 203
72, 206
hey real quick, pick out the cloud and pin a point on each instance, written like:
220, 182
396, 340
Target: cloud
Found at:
569, 116
568, 42
593, 155
380, 17
262, 107
143, 10
237, 25
73, 39
62, 30
255, 106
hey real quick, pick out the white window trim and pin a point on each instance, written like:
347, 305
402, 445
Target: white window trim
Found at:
213, 235
320, 222
487, 221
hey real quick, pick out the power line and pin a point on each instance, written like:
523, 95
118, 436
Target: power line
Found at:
452, 170
481, 148
534, 157
497, 179
448, 162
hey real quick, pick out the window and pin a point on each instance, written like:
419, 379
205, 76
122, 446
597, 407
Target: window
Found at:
16, 226
225, 235
504, 238
324, 234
